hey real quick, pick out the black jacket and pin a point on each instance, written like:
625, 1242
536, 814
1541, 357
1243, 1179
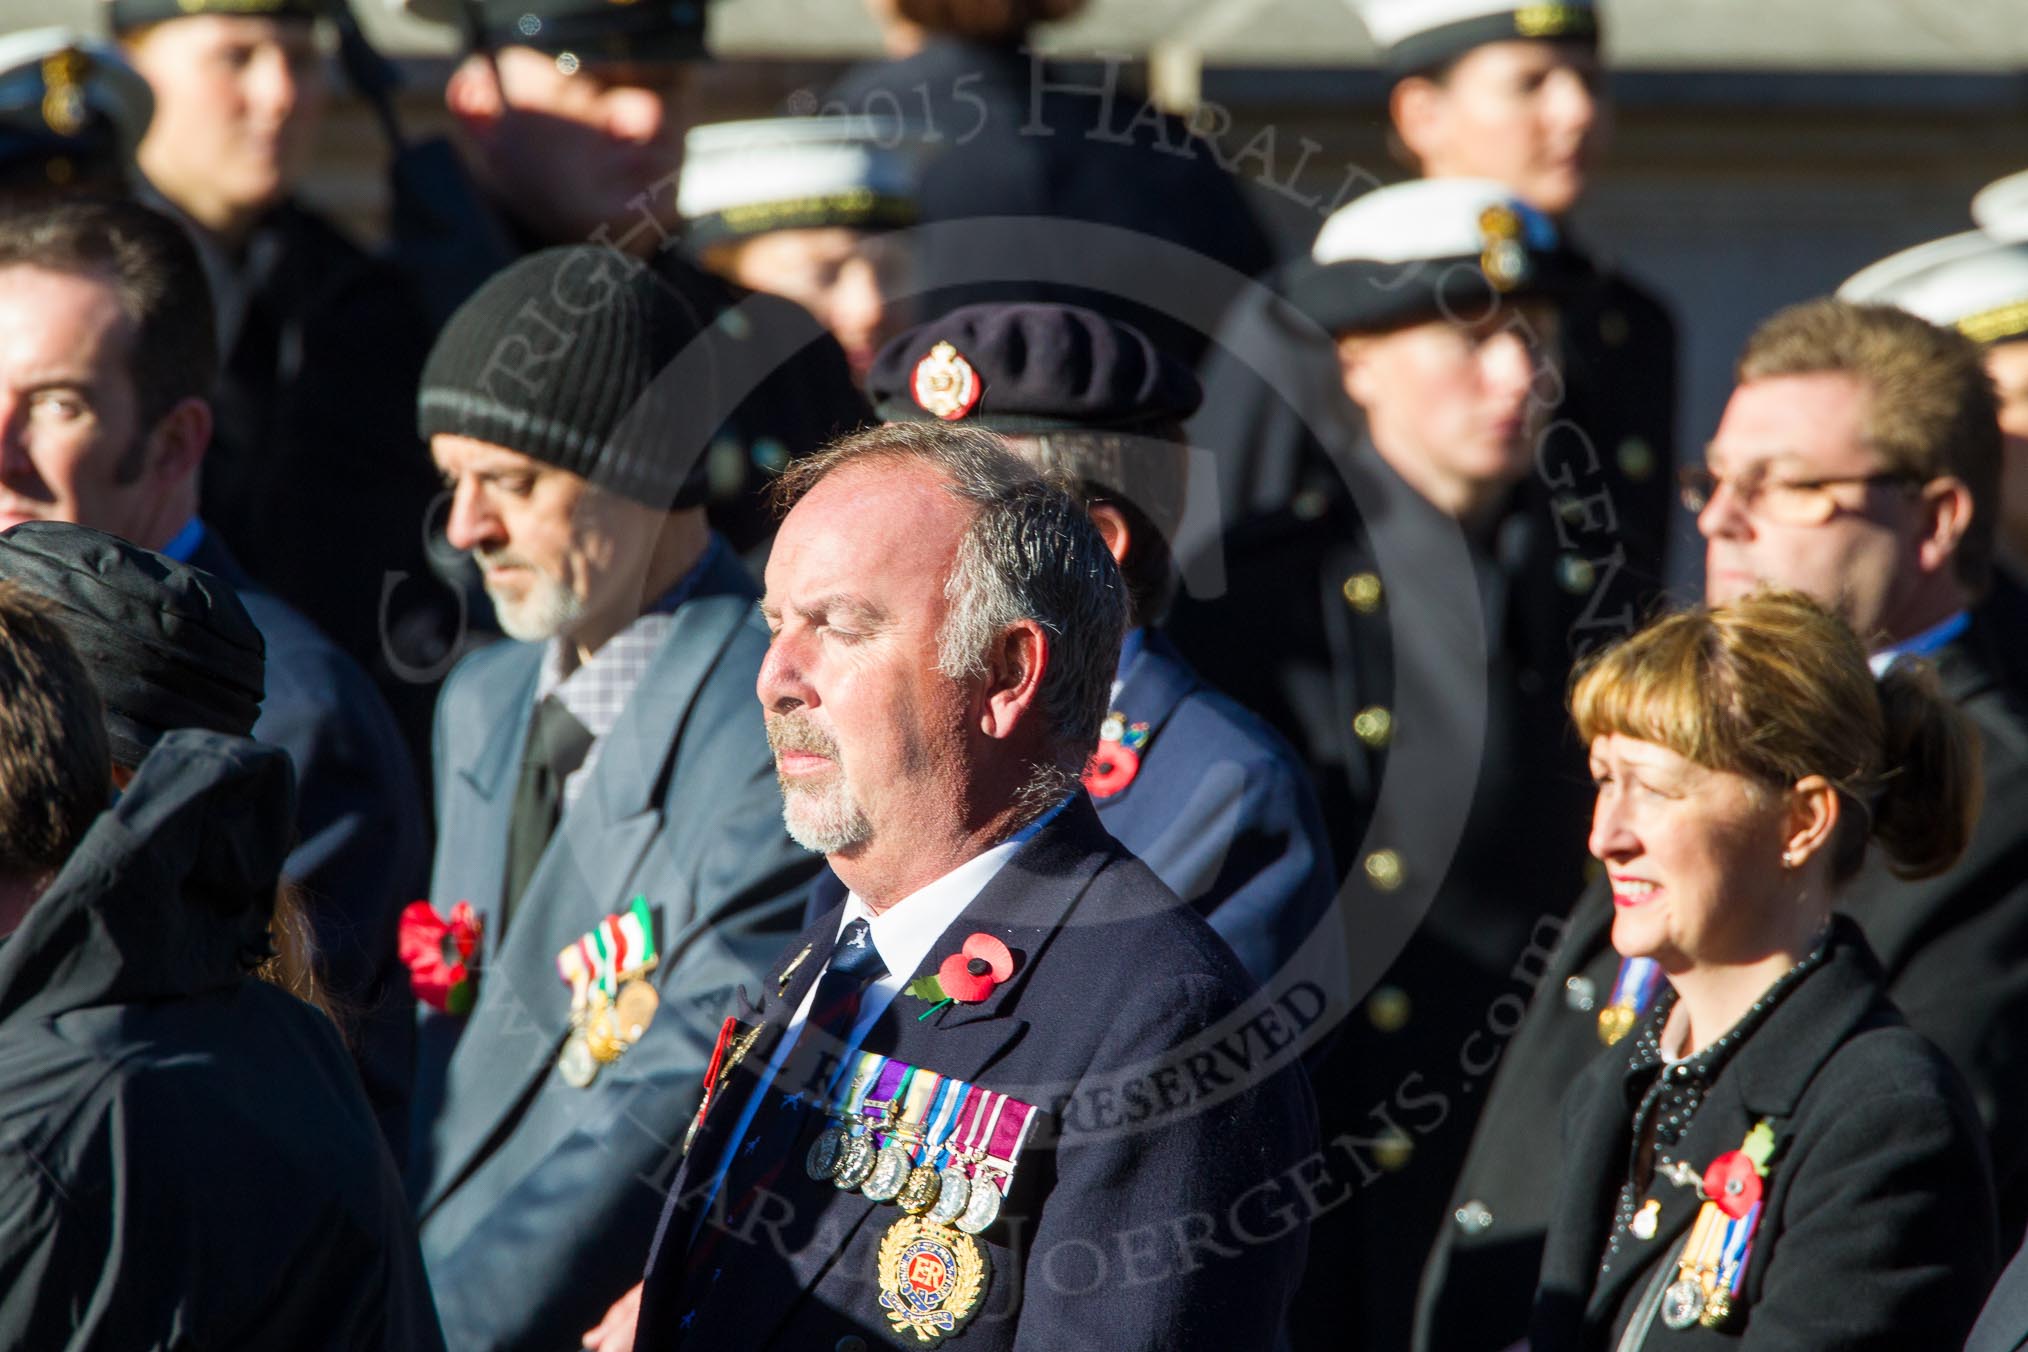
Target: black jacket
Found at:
1275, 402
1876, 1229
1013, 137
315, 472
1156, 1207
187, 1157
1421, 669
1955, 950
362, 840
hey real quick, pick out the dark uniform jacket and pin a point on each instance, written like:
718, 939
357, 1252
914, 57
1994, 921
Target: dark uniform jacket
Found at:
536, 1200
1876, 1228
1421, 668
1011, 137
362, 842
186, 1155
1274, 399
1130, 1225
1222, 810
315, 472
1955, 951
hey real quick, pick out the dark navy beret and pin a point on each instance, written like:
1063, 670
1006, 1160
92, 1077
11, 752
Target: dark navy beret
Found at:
1024, 368
168, 646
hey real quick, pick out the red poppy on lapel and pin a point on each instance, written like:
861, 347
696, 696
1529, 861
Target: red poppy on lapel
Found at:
438, 955
968, 975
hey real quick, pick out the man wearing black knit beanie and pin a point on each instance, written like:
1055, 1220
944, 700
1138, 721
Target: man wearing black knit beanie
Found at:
610, 855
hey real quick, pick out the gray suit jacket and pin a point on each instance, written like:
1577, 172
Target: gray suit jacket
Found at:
536, 1200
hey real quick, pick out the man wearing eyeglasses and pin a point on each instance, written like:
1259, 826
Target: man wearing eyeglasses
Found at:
1858, 460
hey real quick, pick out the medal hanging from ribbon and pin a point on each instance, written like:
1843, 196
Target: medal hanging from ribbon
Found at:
1711, 1270
827, 1152
611, 1001
908, 1126
920, 1190
932, 1272
858, 1150
1634, 990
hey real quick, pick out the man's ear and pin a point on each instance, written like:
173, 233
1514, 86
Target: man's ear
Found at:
177, 442
1014, 671
1114, 530
473, 96
1946, 517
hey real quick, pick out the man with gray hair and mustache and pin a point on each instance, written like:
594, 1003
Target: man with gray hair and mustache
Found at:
605, 805
982, 1095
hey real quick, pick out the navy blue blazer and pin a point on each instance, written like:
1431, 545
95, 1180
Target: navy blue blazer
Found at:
363, 847
535, 1199
1159, 1206
1222, 810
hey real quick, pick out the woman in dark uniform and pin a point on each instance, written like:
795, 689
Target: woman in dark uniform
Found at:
1772, 1159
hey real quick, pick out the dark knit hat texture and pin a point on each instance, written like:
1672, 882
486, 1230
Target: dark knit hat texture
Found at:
168, 646
584, 359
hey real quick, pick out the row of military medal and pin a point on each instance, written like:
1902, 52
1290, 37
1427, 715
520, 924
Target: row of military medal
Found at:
611, 1000
942, 1150
934, 1146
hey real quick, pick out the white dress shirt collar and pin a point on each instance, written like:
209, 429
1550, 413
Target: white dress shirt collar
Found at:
905, 931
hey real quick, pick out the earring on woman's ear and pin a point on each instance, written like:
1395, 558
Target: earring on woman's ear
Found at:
1791, 858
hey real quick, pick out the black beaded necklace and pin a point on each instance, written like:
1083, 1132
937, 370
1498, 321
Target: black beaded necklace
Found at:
1677, 1092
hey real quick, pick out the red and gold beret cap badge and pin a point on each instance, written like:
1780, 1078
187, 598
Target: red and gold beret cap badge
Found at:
945, 385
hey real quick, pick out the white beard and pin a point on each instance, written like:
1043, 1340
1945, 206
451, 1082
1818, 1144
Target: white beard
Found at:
546, 609
824, 820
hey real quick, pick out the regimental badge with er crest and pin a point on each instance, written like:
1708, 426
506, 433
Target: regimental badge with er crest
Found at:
931, 1278
945, 385
1503, 258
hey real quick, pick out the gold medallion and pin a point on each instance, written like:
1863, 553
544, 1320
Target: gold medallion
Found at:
601, 1037
931, 1278
634, 1010
1614, 1023
919, 1193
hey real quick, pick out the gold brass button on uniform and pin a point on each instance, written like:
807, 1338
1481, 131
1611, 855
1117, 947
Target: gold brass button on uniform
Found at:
1388, 1009
1373, 726
1636, 458
1575, 573
1383, 869
1363, 592
1393, 1151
